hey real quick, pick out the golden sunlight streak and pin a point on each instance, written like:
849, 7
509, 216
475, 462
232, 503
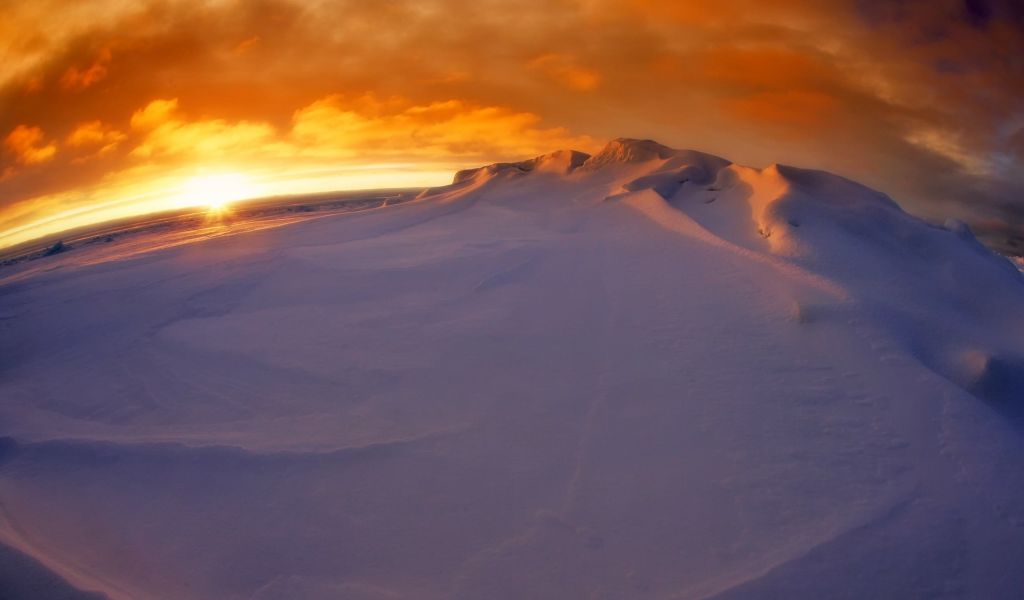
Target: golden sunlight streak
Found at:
132, 193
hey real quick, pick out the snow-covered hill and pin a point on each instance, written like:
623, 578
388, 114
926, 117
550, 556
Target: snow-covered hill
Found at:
647, 373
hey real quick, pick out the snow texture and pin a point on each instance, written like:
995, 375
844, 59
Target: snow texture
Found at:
649, 373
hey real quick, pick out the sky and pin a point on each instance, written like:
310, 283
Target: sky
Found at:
112, 107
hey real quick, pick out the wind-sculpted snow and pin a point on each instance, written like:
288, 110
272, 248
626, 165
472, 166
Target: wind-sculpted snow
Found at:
562, 161
948, 298
649, 373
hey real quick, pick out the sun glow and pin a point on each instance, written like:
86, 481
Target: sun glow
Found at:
217, 191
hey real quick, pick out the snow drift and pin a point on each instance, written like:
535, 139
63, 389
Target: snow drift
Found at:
647, 373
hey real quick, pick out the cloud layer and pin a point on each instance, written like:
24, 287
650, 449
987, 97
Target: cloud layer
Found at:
918, 98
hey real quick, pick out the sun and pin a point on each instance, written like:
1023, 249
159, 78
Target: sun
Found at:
217, 191
216, 205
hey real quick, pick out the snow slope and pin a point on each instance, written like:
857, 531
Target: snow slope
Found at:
649, 373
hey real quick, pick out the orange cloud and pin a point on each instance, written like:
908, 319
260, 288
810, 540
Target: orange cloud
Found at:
29, 145
761, 67
94, 133
168, 134
246, 45
563, 69
783, 108
732, 13
75, 79
343, 128
350, 127
154, 114
94, 139
208, 139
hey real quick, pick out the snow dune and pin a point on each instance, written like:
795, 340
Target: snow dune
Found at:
649, 373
